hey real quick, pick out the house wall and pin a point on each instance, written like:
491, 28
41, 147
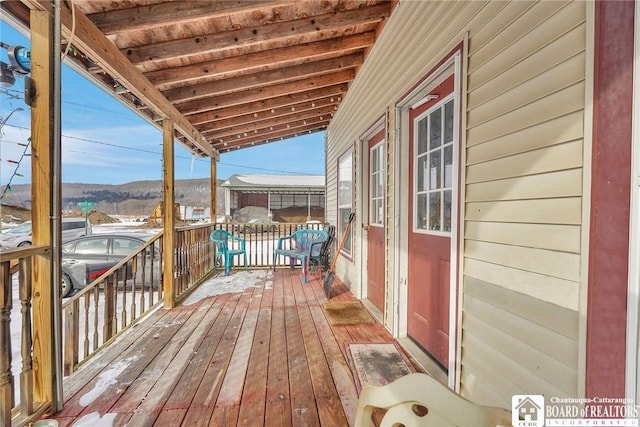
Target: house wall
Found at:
522, 248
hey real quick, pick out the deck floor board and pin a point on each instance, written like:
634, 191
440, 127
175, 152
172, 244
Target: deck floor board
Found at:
266, 356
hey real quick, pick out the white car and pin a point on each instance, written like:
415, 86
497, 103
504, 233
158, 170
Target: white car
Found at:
312, 224
260, 225
21, 235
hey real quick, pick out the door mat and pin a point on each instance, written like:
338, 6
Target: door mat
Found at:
377, 363
347, 313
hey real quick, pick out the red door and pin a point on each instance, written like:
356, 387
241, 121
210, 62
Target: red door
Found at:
431, 190
375, 238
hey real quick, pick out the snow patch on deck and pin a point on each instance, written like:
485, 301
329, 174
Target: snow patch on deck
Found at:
105, 380
236, 282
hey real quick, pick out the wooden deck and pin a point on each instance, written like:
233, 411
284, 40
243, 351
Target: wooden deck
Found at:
266, 356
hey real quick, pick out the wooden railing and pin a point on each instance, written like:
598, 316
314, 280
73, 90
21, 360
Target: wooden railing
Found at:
17, 405
111, 303
97, 314
261, 239
193, 257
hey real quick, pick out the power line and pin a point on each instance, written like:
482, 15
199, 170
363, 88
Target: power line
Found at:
160, 154
19, 95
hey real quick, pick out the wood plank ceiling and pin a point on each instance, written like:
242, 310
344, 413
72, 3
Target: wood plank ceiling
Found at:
241, 73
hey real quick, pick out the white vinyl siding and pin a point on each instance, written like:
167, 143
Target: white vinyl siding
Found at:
523, 178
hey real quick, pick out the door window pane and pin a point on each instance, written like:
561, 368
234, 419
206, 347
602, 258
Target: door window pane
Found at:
376, 179
422, 136
448, 165
434, 169
434, 211
421, 212
448, 122
435, 130
446, 221
423, 173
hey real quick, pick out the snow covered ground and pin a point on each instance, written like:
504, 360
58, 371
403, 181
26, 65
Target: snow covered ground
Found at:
236, 282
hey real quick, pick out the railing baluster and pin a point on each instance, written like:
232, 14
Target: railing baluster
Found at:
71, 334
135, 282
6, 377
123, 316
108, 309
26, 375
87, 307
96, 308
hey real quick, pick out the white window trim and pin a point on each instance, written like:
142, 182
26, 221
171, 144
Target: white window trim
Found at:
380, 145
340, 230
454, 166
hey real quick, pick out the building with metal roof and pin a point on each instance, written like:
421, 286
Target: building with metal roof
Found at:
275, 193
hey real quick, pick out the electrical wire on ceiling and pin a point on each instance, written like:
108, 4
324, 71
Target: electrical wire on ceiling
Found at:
73, 30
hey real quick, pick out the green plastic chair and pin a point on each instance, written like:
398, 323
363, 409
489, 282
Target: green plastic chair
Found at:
221, 239
304, 245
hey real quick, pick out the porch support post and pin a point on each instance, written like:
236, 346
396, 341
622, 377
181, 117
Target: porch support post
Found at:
610, 193
168, 214
214, 190
41, 208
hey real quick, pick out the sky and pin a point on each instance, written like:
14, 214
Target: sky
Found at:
104, 142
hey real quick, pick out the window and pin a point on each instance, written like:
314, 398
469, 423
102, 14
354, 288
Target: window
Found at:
72, 225
433, 169
123, 246
376, 203
345, 198
92, 246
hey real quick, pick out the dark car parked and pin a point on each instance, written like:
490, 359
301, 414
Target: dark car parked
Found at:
87, 258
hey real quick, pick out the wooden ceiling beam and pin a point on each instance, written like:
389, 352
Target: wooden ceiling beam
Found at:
264, 105
145, 17
268, 125
279, 133
266, 78
245, 37
89, 39
258, 60
239, 146
206, 104
17, 11
266, 115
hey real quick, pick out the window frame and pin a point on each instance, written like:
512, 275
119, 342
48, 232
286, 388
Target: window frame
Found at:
380, 146
440, 105
347, 156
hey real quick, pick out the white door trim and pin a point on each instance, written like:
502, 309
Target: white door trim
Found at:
363, 208
453, 65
